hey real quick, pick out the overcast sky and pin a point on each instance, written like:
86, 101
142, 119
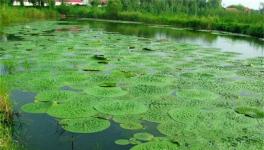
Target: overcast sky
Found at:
248, 3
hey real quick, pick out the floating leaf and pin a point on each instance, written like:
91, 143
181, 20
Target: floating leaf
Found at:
131, 126
38, 107
85, 125
54, 96
122, 142
198, 94
144, 90
143, 136
72, 109
121, 107
163, 145
106, 92
250, 112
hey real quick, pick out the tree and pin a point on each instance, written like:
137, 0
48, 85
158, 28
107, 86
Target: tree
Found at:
95, 3
113, 7
261, 8
215, 3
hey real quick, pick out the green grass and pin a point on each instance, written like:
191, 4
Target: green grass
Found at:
11, 15
235, 22
6, 119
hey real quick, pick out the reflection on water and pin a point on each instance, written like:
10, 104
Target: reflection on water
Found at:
247, 46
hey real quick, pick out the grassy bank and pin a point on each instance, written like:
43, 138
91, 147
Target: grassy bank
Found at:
235, 22
11, 15
6, 118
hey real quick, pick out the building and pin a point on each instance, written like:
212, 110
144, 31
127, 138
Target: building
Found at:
58, 2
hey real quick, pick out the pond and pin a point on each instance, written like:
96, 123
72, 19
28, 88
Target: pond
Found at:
102, 85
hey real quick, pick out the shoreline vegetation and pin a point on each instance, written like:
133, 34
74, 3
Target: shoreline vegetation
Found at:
203, 15
12, 15
233, 22
197, 16
6, 119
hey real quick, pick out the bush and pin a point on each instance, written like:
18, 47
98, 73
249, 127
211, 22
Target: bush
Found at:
114, 7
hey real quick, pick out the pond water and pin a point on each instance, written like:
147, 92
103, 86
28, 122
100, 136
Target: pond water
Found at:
83, 84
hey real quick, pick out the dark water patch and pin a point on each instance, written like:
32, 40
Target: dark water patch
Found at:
42, 132
10, 37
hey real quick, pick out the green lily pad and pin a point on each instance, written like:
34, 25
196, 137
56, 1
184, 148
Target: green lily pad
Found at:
144, 136
184, 114
72, 109
198, 94
250, 112
54, 96
131, 126
121, 107
84, 125
145, 90
171, 128
122, 142
163, 145
106, 91
38, 107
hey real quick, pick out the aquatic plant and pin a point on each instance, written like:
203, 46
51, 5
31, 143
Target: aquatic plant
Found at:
184, 114
250, 112
37, 107
163, 145
72, 109
143, 136
121, 107
106, 91
131, 125
144, 90
84, 125
55, 96
198, 94
171, 128
122, 142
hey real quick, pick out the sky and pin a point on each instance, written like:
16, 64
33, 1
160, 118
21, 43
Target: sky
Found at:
253, 4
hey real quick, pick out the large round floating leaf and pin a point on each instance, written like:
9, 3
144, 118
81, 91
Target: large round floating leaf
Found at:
54, 96
145, 90
184, 114
151, 80
198, 94
171, 128
106, 91
38, 107
143, 136
72, 109
250, 112
122, 142
131, 126
85, 125
162, 145
121, 107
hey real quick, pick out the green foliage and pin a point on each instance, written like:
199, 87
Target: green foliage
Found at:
131, 126
122, 142
121, 107
250, 112
38, 107
197, 15
164, 145
9, 15
144, 136
73, 109
106, 91
113, 7
85, 125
